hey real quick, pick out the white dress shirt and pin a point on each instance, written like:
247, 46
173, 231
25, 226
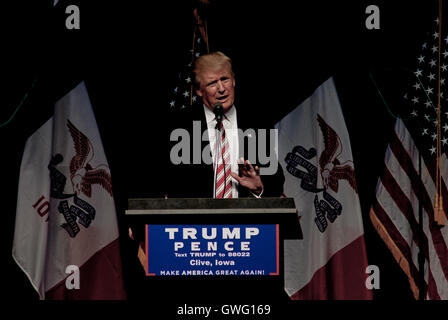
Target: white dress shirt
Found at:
230, 125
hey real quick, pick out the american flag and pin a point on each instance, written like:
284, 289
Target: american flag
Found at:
409, 182
182, 95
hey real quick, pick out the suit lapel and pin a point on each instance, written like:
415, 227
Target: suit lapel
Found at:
205, 171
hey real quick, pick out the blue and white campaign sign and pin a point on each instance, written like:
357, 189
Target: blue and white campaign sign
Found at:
212, 250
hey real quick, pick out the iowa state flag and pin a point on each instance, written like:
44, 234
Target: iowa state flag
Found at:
314, 151
66, 233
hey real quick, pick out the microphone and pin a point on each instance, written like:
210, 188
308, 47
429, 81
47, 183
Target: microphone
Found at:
219, 113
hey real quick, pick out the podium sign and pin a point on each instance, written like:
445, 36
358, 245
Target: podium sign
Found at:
212, 250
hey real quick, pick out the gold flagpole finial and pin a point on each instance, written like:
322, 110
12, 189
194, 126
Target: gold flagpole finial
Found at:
439, 213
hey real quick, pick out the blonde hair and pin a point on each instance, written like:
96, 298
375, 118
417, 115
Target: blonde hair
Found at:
213, 61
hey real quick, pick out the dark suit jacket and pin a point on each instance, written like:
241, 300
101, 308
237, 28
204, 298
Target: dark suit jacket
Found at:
196, 180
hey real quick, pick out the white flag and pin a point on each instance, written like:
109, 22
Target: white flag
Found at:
314, 151
66, 234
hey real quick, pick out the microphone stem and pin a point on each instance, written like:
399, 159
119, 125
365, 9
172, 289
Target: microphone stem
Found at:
217, 143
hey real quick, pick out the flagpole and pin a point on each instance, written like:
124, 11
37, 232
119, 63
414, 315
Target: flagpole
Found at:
439, 213
421, 255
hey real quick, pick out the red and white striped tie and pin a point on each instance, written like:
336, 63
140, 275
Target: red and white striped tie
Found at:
223, 187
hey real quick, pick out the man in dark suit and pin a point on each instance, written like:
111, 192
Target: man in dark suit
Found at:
233, 168
196, 154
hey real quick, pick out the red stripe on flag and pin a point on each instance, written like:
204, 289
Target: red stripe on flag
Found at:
100, 278
342, 278
396, 237
417, 185
405, 206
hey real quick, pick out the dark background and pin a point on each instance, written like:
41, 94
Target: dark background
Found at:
129, 54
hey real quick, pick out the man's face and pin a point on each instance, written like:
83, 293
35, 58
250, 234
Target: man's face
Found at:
217, 86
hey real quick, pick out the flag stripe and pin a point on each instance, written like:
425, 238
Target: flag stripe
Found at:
387, 204
406, 162
405, 206
397, 238
408, 251
351, 288
431, 259
408, 194
98, 278
433, 267
400, 250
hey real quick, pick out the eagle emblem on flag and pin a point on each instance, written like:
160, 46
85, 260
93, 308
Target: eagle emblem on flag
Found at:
82, 174
331, 169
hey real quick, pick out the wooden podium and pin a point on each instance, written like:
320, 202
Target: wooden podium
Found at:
280, 212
